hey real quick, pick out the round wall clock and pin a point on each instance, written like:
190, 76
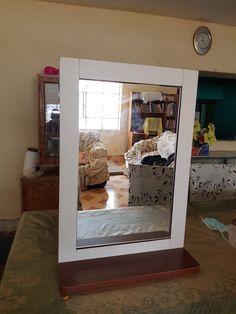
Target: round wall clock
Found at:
202, 40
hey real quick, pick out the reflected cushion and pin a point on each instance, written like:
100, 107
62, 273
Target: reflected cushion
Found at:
166, 144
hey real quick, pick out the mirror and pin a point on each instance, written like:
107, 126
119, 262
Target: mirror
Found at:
52, 117
71, 72
49, 113
150, 164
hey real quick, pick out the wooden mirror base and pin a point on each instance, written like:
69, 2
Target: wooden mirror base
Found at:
89, 275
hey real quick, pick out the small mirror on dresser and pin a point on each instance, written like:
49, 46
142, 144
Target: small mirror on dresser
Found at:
78, 255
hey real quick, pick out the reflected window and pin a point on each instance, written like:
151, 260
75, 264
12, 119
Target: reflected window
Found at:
99, 105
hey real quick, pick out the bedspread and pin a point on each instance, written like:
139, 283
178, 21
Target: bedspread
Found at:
30, 284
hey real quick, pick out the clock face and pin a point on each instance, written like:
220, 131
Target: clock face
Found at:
202, 40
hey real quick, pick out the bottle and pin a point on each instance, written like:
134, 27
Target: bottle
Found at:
31, 163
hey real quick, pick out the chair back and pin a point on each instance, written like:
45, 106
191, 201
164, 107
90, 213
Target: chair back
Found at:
87, 139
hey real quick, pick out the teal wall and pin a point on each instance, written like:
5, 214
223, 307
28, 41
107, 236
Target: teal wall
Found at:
210, 88
217, 99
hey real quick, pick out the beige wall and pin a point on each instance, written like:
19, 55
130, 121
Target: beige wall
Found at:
36, 33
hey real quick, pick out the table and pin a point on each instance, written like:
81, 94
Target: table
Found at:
213, 177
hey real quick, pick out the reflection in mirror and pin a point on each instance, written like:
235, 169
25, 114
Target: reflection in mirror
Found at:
48, 87
52, 119
152, 115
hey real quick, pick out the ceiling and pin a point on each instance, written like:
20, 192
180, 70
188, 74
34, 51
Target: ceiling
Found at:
212, 11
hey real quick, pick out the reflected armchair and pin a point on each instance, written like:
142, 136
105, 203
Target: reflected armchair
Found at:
150, 185
93, 163
163, 145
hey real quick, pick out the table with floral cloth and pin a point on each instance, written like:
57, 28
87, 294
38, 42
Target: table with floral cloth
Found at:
30, 282
213, 177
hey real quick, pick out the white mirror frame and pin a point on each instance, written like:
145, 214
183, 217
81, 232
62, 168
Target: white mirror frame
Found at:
71, 70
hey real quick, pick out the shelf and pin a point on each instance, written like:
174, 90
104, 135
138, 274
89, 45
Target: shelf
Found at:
137, 136
166, 109
152, 114
125, 269
53, 138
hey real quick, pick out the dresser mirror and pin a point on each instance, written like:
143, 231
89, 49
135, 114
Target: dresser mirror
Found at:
72, 247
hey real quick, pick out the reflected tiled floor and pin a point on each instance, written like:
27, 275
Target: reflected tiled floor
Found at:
115, 194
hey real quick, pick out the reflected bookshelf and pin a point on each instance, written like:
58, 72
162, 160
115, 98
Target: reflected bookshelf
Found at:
165, 108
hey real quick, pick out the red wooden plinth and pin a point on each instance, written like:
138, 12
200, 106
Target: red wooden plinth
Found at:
87, 275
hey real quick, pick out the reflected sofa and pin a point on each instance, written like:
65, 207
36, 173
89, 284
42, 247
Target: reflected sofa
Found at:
93, 163
163, 145
149, 185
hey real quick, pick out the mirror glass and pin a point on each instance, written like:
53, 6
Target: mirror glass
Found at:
152, 115
52, 120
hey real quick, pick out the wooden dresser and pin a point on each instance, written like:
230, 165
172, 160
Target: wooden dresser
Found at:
40, 193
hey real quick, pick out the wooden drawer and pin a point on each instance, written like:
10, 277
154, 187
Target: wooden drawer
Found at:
40, 193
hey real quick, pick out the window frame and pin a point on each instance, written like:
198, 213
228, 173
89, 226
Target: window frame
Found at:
84, 106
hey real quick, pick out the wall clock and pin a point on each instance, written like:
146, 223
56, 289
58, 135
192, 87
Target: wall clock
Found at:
202, 40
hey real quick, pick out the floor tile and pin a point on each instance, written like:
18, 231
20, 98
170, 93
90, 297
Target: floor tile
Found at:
115, 194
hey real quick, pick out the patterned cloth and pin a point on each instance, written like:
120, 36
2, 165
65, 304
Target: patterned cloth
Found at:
212, 182
163, 145
166, 144
150, 185
140, 149
87, 139
95, 168
30, 281
207, 181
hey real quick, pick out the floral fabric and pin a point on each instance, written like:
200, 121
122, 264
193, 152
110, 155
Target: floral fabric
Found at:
95, 168
163, 145
142, 148
212, 182
82, 158
87, 139
150, 185
207, 181
30, 280
166, 144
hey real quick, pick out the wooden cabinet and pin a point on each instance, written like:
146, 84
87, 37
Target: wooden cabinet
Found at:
166, 109
40, 193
